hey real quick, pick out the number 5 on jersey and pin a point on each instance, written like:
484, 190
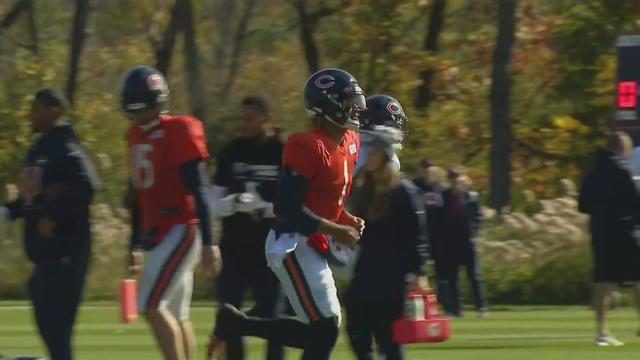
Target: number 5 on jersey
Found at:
142, 166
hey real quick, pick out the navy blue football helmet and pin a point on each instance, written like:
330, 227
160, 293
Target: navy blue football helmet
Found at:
383, 110
334, 95
144, 88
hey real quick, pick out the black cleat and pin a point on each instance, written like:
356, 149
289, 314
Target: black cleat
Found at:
228, 322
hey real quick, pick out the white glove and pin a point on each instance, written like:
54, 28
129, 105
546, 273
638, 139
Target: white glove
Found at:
251, 203
223, 205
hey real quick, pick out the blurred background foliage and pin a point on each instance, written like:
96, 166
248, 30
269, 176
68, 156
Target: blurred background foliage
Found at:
562, 68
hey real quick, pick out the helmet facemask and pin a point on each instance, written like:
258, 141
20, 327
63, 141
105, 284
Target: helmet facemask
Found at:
355, 104
349, 110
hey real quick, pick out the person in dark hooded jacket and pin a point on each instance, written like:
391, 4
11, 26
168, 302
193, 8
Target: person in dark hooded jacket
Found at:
609, 196
57, 185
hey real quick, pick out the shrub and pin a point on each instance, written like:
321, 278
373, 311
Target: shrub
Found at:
541, 258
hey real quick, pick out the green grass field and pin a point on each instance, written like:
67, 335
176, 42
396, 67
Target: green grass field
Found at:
509, 333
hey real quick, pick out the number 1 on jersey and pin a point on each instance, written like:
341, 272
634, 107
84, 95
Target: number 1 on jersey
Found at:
142, 167
346, 182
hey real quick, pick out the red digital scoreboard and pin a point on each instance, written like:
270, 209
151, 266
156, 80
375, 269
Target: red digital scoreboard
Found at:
627, 113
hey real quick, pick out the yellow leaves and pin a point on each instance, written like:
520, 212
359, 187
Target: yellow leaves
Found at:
565, 122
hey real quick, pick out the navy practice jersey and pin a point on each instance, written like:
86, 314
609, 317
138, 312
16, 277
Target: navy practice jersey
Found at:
248, 165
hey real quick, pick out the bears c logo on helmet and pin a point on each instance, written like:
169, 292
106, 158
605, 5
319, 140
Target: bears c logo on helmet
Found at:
325, 81
394, 108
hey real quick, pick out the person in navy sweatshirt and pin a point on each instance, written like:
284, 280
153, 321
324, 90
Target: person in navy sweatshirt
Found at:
57, 184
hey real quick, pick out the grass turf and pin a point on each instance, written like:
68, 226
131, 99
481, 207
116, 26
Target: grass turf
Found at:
509, 333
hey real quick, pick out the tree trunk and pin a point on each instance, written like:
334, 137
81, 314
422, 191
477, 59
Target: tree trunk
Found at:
16, 10
239, 38
306, 37
434, 28
13, 14
192, 63
78, 36
33, 28
164, 49
501, 132
225, 14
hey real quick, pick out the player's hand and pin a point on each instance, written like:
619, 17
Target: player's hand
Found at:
136, 258
359, 225
211, 259
345, 235
353, 221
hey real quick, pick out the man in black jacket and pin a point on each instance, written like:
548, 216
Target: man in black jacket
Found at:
609, 196
461, 222
58, 182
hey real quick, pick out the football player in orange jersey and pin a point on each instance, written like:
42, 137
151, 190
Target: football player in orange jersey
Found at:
168, 203
318, 165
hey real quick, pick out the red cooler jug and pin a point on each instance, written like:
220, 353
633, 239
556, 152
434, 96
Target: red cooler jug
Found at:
422, 322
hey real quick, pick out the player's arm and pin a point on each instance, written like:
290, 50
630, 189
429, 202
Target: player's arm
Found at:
289, 204
130, 203
289, 207
194, 176
299, 165
188, 136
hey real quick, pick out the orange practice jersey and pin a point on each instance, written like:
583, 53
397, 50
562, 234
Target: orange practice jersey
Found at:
327, 166
155, 158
